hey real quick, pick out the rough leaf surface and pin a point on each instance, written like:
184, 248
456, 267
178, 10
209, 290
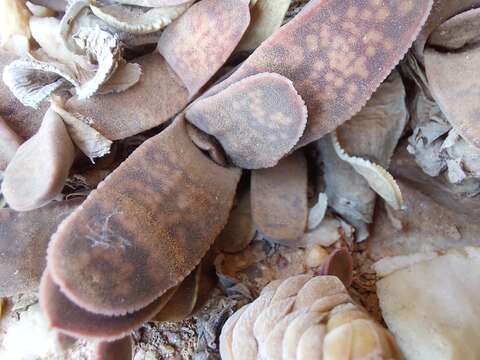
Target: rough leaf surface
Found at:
144, 228
199, 43
115, 350
257, 120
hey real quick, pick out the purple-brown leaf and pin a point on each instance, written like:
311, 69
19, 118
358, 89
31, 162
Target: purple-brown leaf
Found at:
257, 120
340, 264
199, 42
337, 53
279, 198
145, 227
121, 349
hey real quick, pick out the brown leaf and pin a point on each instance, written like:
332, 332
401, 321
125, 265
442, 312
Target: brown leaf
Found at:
116, 350
199, 43
145, 227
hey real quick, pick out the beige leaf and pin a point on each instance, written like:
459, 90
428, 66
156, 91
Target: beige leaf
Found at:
14, 30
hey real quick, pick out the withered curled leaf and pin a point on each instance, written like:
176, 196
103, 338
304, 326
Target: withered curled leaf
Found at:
121, 349
258, 120
456, 97
138, 20
39, 10
279, 199
195, 56
24, 238
318, 306
123, 78
9, 143
117, 116
14, 30
72, 320
336, 54
37, 172
148, 226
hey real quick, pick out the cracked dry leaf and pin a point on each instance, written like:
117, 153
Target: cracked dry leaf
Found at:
195, 57
279, 199
377, 177
258, 120
442, 321
127, 224
88, 140
266, 18
9, 143
24, 237
138, 20
311, 311
14, 30
37, 173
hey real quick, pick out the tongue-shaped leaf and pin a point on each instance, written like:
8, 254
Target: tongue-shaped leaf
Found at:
257, 120
198, 43
457, 95
145, 227
24, 238
279, 198
337, 53
70, 319
9, 143
37, 172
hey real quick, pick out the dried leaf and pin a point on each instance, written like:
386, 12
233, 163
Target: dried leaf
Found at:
143, 223
9, 143
439, 324
337, 54
39, 10
70, 319
14, 31
257, 120
38, 171
138, 20
279, 199
24, 238
317, 213
56, 5
455, 96
116, 350
153, 3
118, 116
267, 16
195, 57
124, 78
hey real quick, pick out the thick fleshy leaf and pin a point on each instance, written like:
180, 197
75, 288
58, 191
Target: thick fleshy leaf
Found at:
458, 31
9, 143
257, 120
144, 228
24, 237
117, 116
37, 172
279, 198
336, 54
70, 319
115, 350
199, 43
457, 96
24, 120
226, 337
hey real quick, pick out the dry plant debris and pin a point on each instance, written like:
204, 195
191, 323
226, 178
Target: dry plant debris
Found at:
194, 180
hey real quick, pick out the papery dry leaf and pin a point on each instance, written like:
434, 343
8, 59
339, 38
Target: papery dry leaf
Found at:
195, 56
39, 10
288, 331
266, 18
138, 20
24, 238
240, 229
456, 97
14, 31
325, 234
117, 116
25, 121
337, 71
317, 213
439, 324
38, 171
458, 31
257, 120
73, 13
377, 177
9, 143
124, 226
72, 320
56, 5
122, 79
88, 140
279, 199
115, 350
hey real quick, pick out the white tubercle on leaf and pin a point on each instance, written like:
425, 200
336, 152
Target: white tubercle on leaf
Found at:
377, 177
